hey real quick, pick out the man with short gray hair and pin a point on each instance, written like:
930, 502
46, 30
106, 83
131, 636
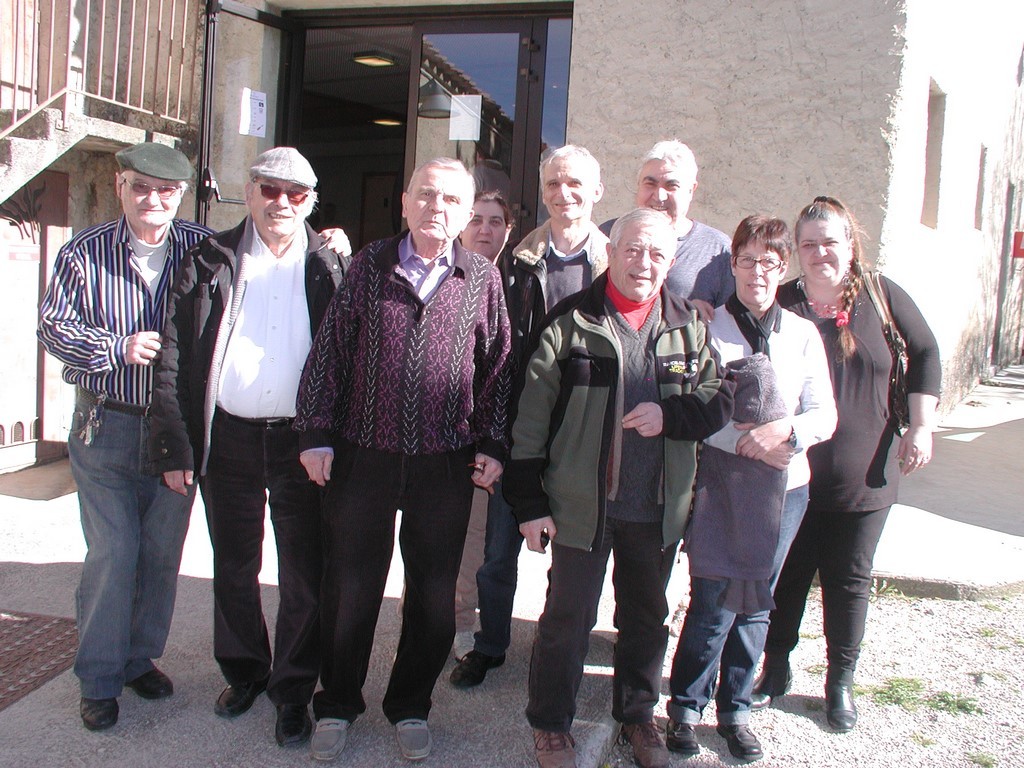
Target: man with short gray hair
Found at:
403, 405
701, 273
242, 318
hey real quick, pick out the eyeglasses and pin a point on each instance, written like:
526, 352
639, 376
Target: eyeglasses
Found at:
768, 263
142, 189
295, 196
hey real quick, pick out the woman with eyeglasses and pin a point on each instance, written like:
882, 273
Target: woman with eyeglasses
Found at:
854, 475
751, 490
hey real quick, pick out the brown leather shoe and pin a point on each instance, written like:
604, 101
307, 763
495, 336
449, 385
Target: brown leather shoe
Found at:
648, 742
554, 750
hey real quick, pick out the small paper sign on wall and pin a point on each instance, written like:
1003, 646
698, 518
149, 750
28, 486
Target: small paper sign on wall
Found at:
1018, 245
253, 120
465, 120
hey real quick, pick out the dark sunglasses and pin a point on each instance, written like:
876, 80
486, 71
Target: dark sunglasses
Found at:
295, 196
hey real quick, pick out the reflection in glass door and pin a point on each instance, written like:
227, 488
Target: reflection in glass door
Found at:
466, 103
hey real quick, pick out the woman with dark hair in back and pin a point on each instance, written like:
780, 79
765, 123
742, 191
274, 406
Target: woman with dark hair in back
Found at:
855, 475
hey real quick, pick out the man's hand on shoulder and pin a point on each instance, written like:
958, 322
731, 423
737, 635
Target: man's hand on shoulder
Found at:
337, 241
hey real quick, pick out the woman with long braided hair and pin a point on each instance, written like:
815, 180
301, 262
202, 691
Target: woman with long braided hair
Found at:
854, 475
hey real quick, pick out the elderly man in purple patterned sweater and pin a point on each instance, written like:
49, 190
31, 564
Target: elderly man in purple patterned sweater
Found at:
403, 405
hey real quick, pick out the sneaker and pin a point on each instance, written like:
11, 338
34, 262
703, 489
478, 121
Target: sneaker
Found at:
473, 669
648, 744
328, 738
681, 738
463, 644
413, 738
554, 750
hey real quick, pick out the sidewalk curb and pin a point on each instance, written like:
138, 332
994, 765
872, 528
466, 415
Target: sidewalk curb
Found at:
913, 586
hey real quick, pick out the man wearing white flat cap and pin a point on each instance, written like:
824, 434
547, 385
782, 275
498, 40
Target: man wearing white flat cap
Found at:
241, 320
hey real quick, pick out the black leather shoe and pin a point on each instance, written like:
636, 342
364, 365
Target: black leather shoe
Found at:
98, 714
840, 711
773, 683
681, 738
293, 724
152, 685
473, 669
236, 699
743, 744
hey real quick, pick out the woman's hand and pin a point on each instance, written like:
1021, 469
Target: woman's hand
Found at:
916, 445
763, 440
915, 449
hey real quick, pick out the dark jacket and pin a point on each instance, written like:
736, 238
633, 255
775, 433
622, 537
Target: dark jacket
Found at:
524, 273
392, 373
182, 410
567, 437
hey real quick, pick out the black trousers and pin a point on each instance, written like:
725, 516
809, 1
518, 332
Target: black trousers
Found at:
247, 460
640, 576
367, 488
840, 547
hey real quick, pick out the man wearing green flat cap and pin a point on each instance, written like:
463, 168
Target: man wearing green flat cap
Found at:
102, 316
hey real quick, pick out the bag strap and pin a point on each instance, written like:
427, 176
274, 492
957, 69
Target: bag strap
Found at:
873, 285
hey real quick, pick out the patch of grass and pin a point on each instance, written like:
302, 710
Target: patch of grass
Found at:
953, 703
810, 635
899, 691
882, 588
921, 740
988, 631
992, 606
982, 759
817, 669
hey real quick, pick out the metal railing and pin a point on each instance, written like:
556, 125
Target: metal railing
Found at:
139, 54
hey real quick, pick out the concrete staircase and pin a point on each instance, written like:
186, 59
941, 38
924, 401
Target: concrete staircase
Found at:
37, 143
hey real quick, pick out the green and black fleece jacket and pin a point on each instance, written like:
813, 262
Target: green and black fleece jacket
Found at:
567, 435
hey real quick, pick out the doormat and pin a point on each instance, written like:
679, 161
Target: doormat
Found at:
33, 650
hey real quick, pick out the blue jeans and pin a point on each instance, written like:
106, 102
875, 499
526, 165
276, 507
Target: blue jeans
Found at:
717, 643
134, 529
496, 580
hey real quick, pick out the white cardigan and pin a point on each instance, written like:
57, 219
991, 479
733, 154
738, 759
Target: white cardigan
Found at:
798, 356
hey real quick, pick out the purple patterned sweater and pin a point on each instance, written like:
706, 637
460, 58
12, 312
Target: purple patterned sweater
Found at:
391, 373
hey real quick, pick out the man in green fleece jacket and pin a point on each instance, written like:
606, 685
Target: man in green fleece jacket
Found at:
619, 391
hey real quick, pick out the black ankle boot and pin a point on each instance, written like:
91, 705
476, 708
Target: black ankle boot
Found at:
773, 683
840, 711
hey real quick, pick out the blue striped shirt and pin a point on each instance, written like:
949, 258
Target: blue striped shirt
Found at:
97, 299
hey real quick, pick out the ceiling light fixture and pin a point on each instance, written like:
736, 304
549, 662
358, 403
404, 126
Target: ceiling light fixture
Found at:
387, 121
373, 59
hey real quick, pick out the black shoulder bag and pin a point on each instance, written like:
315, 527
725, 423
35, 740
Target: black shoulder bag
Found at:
899, 406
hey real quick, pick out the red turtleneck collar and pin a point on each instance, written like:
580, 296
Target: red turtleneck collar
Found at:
635, 312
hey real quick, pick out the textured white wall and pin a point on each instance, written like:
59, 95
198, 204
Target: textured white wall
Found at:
782, 101
972, 52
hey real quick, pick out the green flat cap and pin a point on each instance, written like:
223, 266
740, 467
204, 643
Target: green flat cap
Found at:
156, 160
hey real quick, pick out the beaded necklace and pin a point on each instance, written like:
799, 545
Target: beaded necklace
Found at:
823, 309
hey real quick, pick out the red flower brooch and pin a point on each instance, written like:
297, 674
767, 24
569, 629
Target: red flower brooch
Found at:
842, 319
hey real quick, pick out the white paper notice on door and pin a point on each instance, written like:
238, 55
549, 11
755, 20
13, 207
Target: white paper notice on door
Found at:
253, 120
464, 124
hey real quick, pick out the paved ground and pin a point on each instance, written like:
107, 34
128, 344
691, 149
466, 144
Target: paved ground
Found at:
929, 547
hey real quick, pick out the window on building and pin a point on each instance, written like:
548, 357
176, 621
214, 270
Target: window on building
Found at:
3, 435
979, 200
18, 433
33, 430
933, 155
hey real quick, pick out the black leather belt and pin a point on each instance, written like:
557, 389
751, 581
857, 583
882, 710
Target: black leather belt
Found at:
281, 421
110, 404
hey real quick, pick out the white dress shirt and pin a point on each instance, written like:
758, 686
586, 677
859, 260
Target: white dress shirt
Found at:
271, 338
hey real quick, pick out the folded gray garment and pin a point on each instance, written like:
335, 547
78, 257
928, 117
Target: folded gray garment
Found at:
734, 528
